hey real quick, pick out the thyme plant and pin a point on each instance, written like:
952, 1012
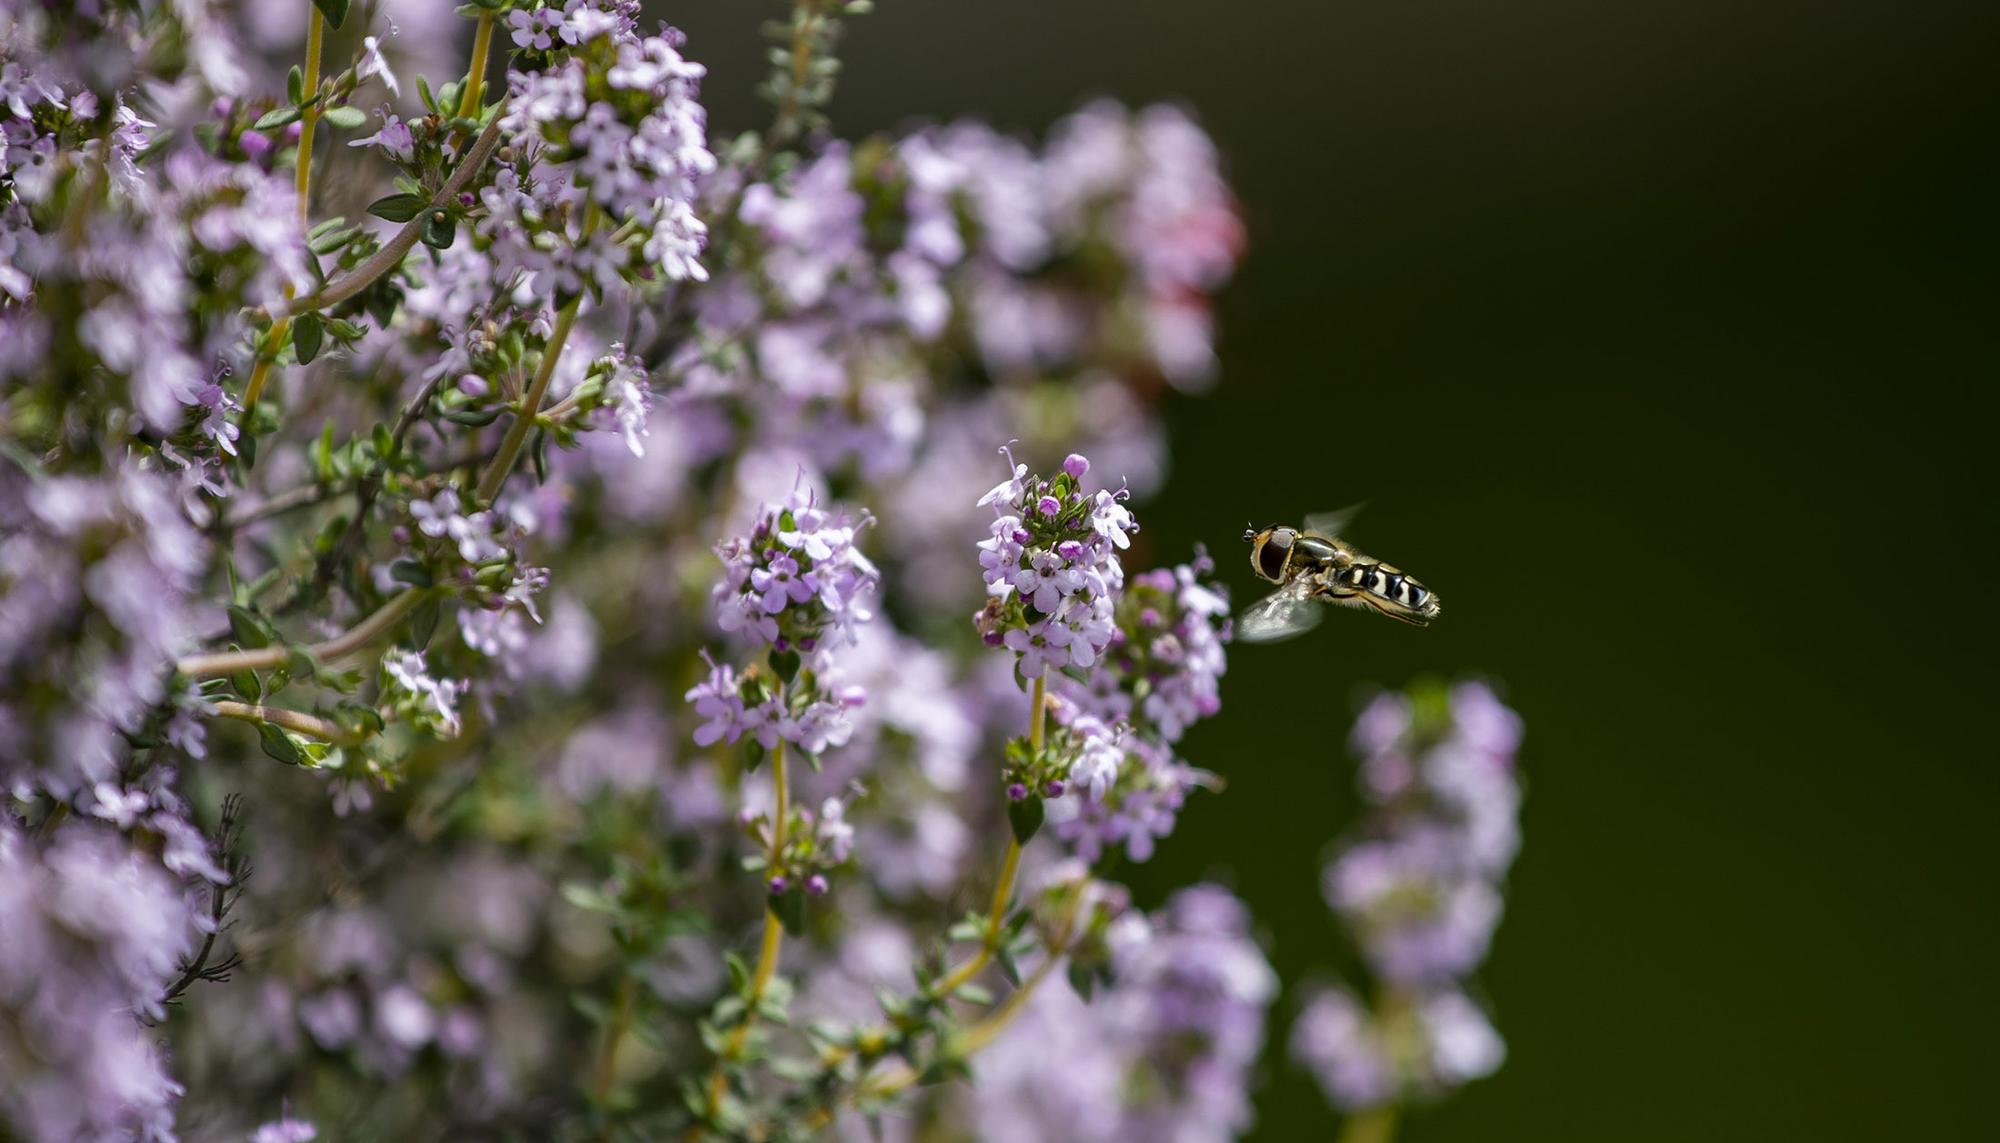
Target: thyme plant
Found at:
547, 540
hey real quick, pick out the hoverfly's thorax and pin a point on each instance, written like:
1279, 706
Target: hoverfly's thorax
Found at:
1311, 553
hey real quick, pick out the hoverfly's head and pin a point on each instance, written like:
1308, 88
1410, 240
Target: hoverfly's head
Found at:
1270, 551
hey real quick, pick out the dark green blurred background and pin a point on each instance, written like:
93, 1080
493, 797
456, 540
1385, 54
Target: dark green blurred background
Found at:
1656, 337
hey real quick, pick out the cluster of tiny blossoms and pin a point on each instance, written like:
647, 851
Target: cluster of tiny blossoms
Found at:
798, 584
1420, 889
1051, 567
92, 938
608, 144
1179, 1026
1162, 674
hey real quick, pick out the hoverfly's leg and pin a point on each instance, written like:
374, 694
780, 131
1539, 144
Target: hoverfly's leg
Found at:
1325, 588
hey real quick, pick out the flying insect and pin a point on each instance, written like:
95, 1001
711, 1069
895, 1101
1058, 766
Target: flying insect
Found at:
1312, 566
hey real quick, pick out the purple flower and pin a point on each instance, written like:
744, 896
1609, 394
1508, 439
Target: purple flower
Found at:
1421, 893
779, 583
1337, 1040
425, 701
1166, 1051
285, 1129
94, 932
832, 833
373, 64
613, 122
798, 576
719, 704
1052, 573
393, 140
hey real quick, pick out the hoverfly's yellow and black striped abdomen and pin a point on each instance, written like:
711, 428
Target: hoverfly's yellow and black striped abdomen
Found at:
1385, 582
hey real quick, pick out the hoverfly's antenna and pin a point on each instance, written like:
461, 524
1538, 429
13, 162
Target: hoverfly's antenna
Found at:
1250, 534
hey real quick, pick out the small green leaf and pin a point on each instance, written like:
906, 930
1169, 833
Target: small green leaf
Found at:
381, 305
786, 664
473, 418
1082, 979
973, 994
307, 333
248, 685
1026, 817
588, 898
279, 745
753, 755
276, 117
411, 572
591, 1008
323, 453
439, 230
398, 207
424, 92
247, 629
383, 440
295, 86
424, 621
332, 240
790, 908
345, 118
335, 11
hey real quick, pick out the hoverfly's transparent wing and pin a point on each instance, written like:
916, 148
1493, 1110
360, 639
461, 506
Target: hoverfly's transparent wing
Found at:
1333, 523
1282, 614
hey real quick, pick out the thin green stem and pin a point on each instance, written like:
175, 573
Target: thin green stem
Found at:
259, 714
354, 639
1003, 889
309, 119
531, 401
392, 252
774, 935
1374, 1125
260, 373
978, 1035
524, 419
614, 1032
475, 73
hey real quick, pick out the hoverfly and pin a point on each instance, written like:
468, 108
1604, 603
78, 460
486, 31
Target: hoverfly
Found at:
1314, 566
